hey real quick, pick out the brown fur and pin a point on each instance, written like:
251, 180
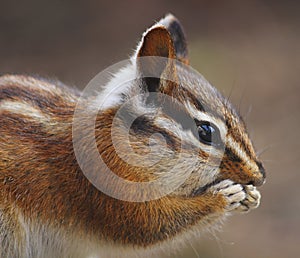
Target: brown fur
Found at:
41, 177
39, 173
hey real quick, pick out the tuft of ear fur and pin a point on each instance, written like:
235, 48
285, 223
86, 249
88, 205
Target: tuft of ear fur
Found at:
154, 59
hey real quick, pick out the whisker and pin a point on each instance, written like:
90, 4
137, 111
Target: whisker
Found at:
219, 243
270, 161
195, 250
227, 99
245, 117
262, 151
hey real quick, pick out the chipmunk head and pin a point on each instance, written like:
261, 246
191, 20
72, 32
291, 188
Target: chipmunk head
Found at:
168, 108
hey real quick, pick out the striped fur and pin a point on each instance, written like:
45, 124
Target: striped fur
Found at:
48, 208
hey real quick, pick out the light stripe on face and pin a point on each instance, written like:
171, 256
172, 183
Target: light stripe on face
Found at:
239, 152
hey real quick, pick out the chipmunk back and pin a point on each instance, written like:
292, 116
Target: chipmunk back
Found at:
49, 208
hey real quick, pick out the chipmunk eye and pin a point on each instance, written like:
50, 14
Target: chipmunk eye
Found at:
208, 133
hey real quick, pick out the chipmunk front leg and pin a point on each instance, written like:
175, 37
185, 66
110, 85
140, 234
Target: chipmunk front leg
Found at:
239, 198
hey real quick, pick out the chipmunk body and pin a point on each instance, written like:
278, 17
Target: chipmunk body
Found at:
48, 208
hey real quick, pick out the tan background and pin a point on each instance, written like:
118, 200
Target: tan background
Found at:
249, 49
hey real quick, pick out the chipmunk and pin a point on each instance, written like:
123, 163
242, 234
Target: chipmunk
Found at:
49, 208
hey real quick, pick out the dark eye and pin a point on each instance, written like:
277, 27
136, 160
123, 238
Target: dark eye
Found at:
208, 133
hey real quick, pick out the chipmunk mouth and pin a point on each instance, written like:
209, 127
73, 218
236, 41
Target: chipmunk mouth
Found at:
203, 189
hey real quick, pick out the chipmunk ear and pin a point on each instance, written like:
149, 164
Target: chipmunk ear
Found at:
164, 39
172, 24
175, 34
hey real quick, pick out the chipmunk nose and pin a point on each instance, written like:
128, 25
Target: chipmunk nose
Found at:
261, 175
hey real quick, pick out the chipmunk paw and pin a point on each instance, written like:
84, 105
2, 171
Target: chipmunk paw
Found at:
252, 199
234, 194
240, 198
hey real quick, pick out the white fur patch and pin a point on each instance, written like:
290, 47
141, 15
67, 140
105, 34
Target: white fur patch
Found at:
42, 241
24, 109
120, 84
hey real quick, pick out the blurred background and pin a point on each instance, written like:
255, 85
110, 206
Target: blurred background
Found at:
248, 49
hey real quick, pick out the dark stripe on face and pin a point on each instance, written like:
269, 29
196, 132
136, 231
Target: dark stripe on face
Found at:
143, 126
194, 100
246, 147
173, 109
236, 135
231, 155
199, 104
178, 113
